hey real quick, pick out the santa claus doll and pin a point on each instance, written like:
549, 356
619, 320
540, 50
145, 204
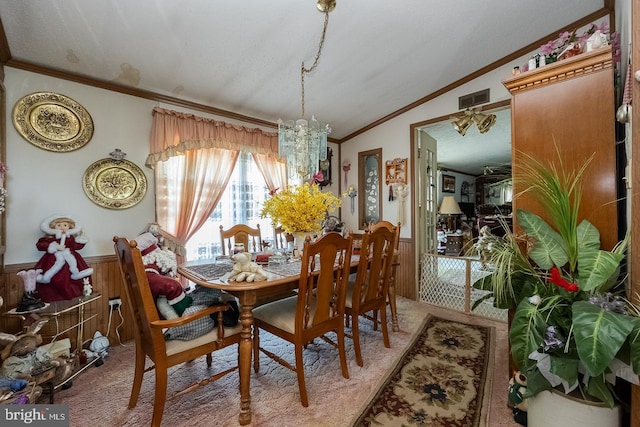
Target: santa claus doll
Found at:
161, 268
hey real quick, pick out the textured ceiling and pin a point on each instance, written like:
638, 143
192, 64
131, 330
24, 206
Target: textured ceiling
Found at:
245, 56
473, 151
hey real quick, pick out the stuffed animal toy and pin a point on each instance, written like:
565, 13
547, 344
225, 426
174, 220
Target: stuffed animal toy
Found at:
25, 355
99, 344
244, 270
517, 401
155, 229
161, 267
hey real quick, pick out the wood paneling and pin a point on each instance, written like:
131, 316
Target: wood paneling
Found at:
106, 281
405, 282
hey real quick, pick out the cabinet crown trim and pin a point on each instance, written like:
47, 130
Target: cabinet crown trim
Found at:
596, 60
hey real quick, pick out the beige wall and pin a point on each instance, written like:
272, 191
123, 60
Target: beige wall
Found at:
41, 182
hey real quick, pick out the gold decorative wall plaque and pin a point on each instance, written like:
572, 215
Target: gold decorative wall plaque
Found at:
52, 121
114, 184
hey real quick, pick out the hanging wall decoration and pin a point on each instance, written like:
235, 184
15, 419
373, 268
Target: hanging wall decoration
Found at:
52, 121
396, 171
114, 182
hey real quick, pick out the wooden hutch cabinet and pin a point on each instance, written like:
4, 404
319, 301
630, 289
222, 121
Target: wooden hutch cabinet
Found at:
570, 104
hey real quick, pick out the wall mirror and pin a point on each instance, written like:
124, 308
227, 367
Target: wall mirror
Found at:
369, 187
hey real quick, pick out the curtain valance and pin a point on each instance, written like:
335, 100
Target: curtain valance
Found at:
173, 133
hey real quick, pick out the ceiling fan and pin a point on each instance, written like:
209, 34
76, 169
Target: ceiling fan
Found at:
487, 170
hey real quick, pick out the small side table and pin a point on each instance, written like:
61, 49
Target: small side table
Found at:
57, 308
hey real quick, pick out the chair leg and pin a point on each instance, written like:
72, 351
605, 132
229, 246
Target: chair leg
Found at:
160, 395
256, 348
385, 329
355, 331
209, 360
342, 351
137, 377
302, 386
392, 302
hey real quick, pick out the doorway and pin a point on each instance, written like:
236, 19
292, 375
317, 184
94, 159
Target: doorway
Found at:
437, 149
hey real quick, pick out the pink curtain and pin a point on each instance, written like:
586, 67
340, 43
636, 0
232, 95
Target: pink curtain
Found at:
273, 170
203, 153
188, 189
173, 133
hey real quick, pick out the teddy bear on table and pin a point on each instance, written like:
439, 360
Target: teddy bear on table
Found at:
244, 270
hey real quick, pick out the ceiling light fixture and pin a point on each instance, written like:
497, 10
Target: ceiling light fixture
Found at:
304, 144
482, 121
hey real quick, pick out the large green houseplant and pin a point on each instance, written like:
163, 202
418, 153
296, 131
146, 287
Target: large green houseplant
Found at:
572, 325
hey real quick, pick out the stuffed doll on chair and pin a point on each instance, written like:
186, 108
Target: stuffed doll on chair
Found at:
161, 267
171, 299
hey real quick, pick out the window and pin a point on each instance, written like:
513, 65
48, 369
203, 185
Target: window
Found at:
240, 204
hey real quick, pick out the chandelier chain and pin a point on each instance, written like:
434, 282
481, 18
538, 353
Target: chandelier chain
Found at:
304, 70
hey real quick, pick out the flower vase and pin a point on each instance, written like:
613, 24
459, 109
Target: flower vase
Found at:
298, 243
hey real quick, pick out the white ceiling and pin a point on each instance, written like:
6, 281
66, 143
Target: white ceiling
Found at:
473, 151
245, 56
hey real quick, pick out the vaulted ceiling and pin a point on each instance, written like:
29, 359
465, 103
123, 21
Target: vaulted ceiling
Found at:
242, 58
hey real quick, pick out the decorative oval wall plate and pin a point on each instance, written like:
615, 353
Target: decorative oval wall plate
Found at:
52, 121
114, 184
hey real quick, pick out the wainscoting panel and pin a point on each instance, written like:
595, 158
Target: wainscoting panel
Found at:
405, 283
106, 281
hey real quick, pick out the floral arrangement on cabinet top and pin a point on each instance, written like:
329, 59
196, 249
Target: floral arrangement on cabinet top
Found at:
570, 44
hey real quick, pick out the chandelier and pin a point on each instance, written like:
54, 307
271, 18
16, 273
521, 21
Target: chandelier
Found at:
302, 143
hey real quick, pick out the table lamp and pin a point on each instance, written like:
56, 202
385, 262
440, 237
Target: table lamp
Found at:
450, 207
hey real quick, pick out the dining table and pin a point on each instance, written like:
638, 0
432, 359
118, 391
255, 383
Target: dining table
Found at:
281, 278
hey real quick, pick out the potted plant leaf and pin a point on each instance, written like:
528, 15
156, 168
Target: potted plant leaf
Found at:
572, 327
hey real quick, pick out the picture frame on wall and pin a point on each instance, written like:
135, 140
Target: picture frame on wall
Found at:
448, 184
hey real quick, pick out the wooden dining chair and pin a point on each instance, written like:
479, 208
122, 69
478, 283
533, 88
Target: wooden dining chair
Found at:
281, 238
369, 291
250, 237
394, 272
316, 310
149, 337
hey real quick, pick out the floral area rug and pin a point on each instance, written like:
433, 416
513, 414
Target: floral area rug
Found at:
443, 379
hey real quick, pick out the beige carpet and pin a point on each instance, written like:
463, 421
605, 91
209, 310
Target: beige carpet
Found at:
100, 395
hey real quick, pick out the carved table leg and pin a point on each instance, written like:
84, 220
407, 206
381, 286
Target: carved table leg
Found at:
247, 301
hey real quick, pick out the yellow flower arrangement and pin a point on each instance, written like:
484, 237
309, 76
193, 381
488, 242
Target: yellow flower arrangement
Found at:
300, 208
